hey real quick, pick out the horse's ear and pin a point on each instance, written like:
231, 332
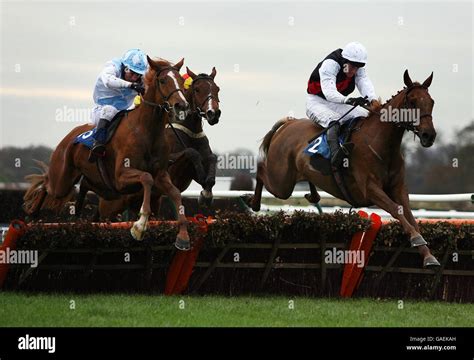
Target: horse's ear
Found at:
190, 73
152, 64
179, 64
406, 79
428, 81
213, 73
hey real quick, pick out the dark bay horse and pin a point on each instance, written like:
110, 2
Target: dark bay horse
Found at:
376, 172
191, 154
136, 157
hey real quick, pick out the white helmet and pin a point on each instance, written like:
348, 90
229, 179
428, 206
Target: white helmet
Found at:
355, 52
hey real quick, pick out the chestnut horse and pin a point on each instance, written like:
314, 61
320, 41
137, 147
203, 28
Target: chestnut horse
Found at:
136, 157
192, 157
376, 175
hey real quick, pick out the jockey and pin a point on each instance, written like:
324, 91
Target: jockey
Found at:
115, 90
329, 86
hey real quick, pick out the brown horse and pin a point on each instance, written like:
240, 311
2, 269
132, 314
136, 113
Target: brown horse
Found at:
192, 157
136, 157
376, 175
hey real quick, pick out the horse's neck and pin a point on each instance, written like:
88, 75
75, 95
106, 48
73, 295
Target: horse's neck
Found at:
150, 118
385, 136
193, 122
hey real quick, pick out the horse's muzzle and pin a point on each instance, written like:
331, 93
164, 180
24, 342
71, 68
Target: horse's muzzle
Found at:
213, 116
427, 139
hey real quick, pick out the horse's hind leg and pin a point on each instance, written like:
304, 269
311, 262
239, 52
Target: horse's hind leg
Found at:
254, 201
80, 199
313, 197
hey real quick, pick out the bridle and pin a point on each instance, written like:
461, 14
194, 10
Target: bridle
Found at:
166, 105
210, 96
408, 126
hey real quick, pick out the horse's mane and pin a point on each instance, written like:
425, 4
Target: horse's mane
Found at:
398, 92
150, 74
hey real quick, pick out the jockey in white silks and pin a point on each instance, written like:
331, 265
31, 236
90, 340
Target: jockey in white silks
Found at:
115, 90
329, 86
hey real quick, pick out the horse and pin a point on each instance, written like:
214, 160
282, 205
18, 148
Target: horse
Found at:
376, 171
191, 155
136, 157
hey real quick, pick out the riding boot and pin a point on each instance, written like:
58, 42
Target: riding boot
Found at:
334, 147
98, 148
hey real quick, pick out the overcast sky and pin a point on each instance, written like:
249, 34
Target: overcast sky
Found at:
264, 52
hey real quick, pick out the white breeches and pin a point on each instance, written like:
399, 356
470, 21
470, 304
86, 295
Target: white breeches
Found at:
324, 112
106, 112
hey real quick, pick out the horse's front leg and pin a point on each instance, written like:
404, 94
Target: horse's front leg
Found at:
206, 196
400, 195
376, 195
165, 186
129, 176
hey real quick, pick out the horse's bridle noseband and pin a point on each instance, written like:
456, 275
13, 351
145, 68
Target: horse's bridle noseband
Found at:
166, 105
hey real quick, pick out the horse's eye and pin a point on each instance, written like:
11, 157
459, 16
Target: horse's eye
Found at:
162, 81
197, 90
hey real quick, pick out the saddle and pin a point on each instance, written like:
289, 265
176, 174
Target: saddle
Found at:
322, 163
114, 124
87, 139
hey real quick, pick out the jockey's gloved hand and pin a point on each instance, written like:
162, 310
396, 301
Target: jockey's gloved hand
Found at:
139, 88
356, 101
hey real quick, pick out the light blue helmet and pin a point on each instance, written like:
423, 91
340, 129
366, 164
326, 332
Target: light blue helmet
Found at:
135, 60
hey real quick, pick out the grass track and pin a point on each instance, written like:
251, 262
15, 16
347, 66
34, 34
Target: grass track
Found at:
49, 310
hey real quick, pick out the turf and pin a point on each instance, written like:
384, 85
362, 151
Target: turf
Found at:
116, 310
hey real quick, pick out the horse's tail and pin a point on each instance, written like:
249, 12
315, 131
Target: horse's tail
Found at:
37, 197
269, 136
36, 193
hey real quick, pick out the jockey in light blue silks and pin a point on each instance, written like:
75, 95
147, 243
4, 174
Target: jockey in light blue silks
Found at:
115, 89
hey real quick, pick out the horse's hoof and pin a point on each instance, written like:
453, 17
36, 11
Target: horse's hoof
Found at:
205, 199
136, 234
182, 244
417, 241
430, 261
312, 199
247, 199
